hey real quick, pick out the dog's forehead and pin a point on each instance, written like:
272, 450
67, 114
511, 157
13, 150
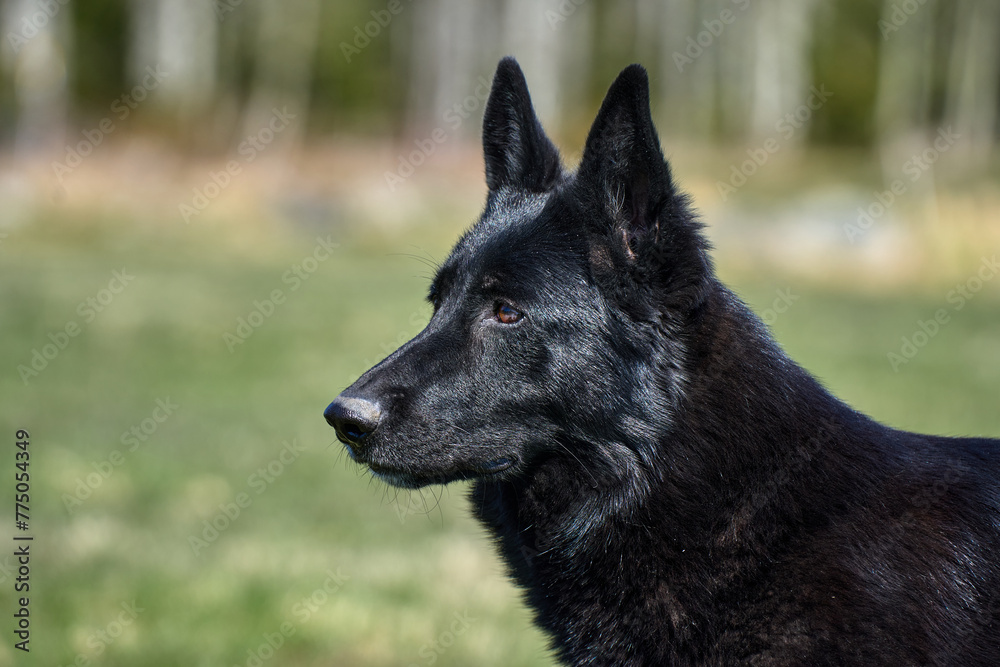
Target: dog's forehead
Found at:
511, 222
508, 216
520, 237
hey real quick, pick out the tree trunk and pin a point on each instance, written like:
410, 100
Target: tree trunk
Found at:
905, 83
178, 37
35, 59
782, 43
287, 34
974, 69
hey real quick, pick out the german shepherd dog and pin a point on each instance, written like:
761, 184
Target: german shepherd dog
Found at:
664, 483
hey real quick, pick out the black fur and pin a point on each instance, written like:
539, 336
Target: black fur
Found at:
665, 484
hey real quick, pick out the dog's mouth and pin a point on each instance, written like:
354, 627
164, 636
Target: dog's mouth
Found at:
409, 479
495, 467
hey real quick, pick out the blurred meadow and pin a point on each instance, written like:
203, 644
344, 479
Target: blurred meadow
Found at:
215, 215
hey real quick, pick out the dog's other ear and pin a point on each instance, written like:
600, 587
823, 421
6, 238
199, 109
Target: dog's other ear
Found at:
640, 225
623, 164
518, 154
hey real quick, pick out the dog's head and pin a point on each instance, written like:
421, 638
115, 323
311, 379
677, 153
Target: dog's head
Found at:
558, 317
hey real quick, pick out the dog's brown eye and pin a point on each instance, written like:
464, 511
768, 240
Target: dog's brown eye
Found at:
507, 315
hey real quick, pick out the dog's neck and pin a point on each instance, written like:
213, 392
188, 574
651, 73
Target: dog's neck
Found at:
700, 519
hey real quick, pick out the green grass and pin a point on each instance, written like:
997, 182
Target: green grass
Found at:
409, 562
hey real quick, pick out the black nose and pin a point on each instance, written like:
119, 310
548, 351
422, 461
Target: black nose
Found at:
354, 419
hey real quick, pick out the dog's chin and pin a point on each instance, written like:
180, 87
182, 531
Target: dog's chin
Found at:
415, 479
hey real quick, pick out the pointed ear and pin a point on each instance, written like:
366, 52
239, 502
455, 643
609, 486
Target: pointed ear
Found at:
623, 164
518, 154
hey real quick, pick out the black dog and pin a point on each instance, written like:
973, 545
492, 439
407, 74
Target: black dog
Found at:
666, 485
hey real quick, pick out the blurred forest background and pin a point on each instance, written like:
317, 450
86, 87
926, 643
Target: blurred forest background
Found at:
216, 214
723, 69
770, 93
